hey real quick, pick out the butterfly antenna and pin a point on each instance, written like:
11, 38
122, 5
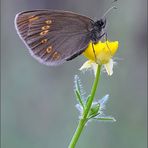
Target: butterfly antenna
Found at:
107, 44
111, 8
114, 1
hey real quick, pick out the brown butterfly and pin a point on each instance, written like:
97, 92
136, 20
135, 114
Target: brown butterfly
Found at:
54, 37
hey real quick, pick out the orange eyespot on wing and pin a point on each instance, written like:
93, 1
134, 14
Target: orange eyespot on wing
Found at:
44, 32
49, 49
56, 55
43, 41
48, 22
33, 18
45, 27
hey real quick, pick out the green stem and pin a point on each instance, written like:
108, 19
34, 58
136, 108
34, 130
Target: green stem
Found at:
83, 120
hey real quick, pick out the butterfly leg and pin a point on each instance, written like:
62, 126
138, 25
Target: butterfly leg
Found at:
96, 60
94, 52
106, 42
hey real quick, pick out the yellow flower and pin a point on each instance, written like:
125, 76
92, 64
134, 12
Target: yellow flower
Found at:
102, 54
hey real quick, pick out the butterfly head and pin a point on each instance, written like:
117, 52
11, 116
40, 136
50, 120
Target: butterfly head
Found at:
100, 24
97, 30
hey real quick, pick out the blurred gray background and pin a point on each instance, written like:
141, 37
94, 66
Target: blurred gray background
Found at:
38, 103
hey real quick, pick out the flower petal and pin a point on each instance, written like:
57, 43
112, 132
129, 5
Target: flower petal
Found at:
109, 67
113, 46
103, 51
94, 67
89, 65
86, 65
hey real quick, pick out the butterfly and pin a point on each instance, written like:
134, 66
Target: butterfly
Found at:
55, 36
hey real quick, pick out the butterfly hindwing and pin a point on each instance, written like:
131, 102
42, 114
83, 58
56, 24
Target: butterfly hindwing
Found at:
54, 36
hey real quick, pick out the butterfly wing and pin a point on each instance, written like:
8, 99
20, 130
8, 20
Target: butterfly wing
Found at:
53, 37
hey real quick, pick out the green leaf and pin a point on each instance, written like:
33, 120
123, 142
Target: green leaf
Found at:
78, 96
94, 111
88, 99
79, 91
105, 119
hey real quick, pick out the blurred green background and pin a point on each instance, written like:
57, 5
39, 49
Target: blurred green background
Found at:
38, 103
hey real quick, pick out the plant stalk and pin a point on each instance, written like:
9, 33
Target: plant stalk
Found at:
84, 118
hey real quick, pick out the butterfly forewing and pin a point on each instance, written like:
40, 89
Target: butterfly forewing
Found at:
54, 36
